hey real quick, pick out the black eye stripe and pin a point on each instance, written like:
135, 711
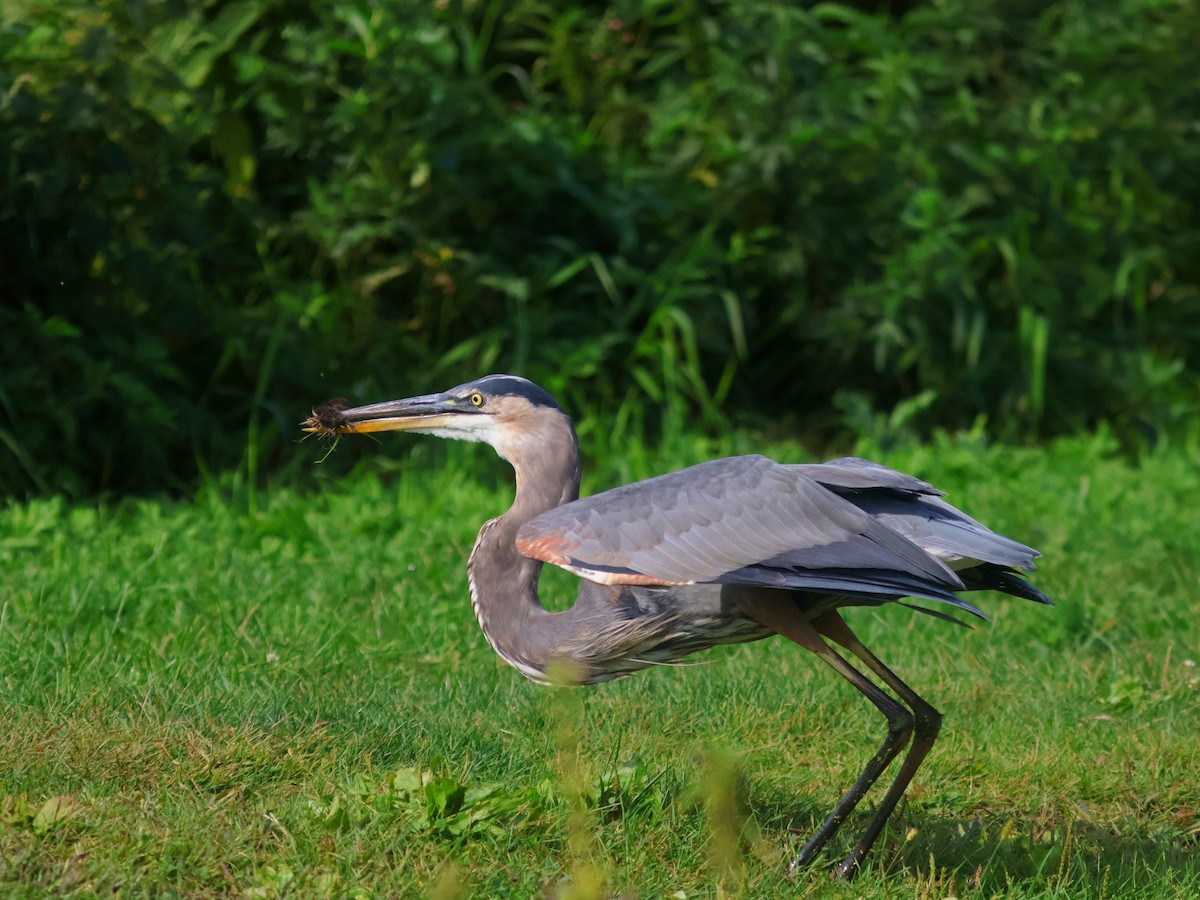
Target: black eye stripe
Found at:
512, 386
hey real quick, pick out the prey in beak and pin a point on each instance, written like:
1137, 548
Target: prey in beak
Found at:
328, 419
427, 414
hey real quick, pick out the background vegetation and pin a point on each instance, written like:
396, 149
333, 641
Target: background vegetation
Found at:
858, 218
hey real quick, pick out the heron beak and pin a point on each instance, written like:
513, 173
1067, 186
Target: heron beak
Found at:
411, 414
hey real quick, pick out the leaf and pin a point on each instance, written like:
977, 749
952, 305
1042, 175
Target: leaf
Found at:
445, 796
232, 141
54, 812
406, 783
57, 326
15, 810
233, 20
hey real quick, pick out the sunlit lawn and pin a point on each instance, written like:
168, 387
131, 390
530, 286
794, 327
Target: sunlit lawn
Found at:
294, 698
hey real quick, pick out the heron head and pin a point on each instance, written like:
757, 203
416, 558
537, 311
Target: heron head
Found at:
506, 411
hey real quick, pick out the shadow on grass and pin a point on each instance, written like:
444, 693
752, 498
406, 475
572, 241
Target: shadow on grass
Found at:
991, 856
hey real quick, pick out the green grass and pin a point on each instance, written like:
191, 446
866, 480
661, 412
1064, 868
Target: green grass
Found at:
202, 700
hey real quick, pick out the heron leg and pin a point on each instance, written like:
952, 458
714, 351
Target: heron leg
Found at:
928, 722
786, 619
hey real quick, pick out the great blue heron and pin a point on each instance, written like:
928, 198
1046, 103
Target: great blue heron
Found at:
731, 550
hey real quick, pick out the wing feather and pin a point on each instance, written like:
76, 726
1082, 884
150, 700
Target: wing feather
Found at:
853, 473
916, 510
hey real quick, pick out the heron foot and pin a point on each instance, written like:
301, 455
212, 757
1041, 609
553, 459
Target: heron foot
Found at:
802, 860
843, 871
847, 868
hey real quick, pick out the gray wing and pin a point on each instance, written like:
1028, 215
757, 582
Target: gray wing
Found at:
854, 473
741, 520
915, 509
983, 559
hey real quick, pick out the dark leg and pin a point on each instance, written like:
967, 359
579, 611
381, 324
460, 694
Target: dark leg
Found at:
928, 722
786, 619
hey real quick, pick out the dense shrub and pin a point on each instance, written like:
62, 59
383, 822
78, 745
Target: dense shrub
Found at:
212, 215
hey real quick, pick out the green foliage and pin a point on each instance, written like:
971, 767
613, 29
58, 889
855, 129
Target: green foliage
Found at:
213, 215
298, 701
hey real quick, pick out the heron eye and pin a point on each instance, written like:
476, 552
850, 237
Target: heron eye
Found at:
476, 399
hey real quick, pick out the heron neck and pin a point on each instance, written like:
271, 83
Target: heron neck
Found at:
504, 583
546, 463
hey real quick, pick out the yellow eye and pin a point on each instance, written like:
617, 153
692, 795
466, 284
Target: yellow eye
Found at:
476, 399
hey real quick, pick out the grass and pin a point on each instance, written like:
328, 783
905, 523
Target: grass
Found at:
203, 700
